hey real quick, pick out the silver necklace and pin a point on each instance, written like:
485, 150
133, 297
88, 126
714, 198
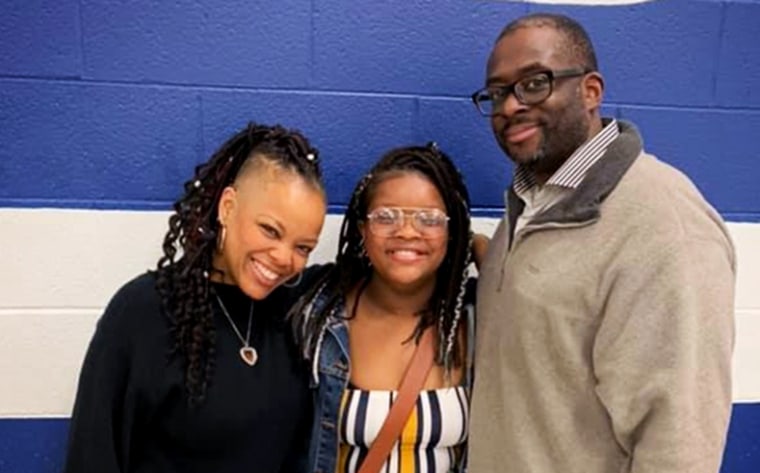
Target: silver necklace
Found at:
247, 352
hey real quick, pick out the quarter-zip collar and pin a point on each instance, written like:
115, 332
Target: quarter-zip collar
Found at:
582, 207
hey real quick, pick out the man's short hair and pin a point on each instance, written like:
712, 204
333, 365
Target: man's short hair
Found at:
577, 44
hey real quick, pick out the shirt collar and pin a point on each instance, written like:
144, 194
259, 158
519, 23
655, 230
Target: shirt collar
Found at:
574, 169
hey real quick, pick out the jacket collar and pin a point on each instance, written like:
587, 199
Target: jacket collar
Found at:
583, 205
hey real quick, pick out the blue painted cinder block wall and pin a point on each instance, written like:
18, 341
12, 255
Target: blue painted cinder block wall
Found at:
107, 104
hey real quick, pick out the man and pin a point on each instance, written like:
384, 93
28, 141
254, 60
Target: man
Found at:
605, 302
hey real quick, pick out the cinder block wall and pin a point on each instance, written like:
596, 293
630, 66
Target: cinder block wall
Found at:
107, 105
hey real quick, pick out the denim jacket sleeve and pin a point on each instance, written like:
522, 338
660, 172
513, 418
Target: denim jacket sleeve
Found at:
332, 369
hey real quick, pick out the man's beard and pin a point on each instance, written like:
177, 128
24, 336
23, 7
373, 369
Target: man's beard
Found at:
538, 156
559, 142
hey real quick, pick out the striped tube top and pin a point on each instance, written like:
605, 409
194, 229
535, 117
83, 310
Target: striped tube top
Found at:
432, 440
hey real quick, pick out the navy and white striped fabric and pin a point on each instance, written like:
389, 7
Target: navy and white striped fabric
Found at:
432, 439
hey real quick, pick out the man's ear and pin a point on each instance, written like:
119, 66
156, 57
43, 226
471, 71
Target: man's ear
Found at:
593, 90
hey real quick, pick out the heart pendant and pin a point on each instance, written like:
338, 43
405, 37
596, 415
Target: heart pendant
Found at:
249, 355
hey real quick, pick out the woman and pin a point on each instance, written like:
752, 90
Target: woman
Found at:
401, 269
191, 368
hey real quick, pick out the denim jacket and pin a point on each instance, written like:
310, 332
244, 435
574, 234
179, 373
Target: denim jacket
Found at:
331, 370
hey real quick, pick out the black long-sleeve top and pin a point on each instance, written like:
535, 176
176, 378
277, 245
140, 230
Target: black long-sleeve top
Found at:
132, 413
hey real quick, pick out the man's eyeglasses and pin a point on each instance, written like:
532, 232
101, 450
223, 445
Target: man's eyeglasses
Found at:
385, 221
530, 90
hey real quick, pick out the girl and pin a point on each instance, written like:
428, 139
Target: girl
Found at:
401, 269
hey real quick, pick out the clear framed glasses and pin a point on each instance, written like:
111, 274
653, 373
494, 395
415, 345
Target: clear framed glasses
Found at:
386, 221
529, 90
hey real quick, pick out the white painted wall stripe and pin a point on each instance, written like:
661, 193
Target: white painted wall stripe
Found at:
746, 237
746, 368
60, 267
40, 355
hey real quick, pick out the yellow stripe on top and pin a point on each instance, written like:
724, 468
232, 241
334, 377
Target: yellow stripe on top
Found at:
406, 448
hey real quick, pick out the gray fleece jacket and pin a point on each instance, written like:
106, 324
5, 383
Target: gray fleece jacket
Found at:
606, 327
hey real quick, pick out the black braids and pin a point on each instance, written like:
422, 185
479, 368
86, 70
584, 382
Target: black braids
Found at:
451, 336
308, 322
184, 284
307, 158
443, 349
350, 270
292, 152
458, 257
190, 243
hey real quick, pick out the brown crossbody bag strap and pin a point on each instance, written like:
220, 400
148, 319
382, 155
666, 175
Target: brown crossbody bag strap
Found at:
414, 380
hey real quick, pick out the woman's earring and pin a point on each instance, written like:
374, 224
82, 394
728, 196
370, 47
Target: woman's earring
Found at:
295, 283
222, 237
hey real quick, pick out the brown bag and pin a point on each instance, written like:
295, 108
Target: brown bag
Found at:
414, 379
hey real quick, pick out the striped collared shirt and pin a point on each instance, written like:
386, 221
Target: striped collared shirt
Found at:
568, 177
572, 172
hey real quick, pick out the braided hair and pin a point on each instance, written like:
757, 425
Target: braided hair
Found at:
353, 267
183, 270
